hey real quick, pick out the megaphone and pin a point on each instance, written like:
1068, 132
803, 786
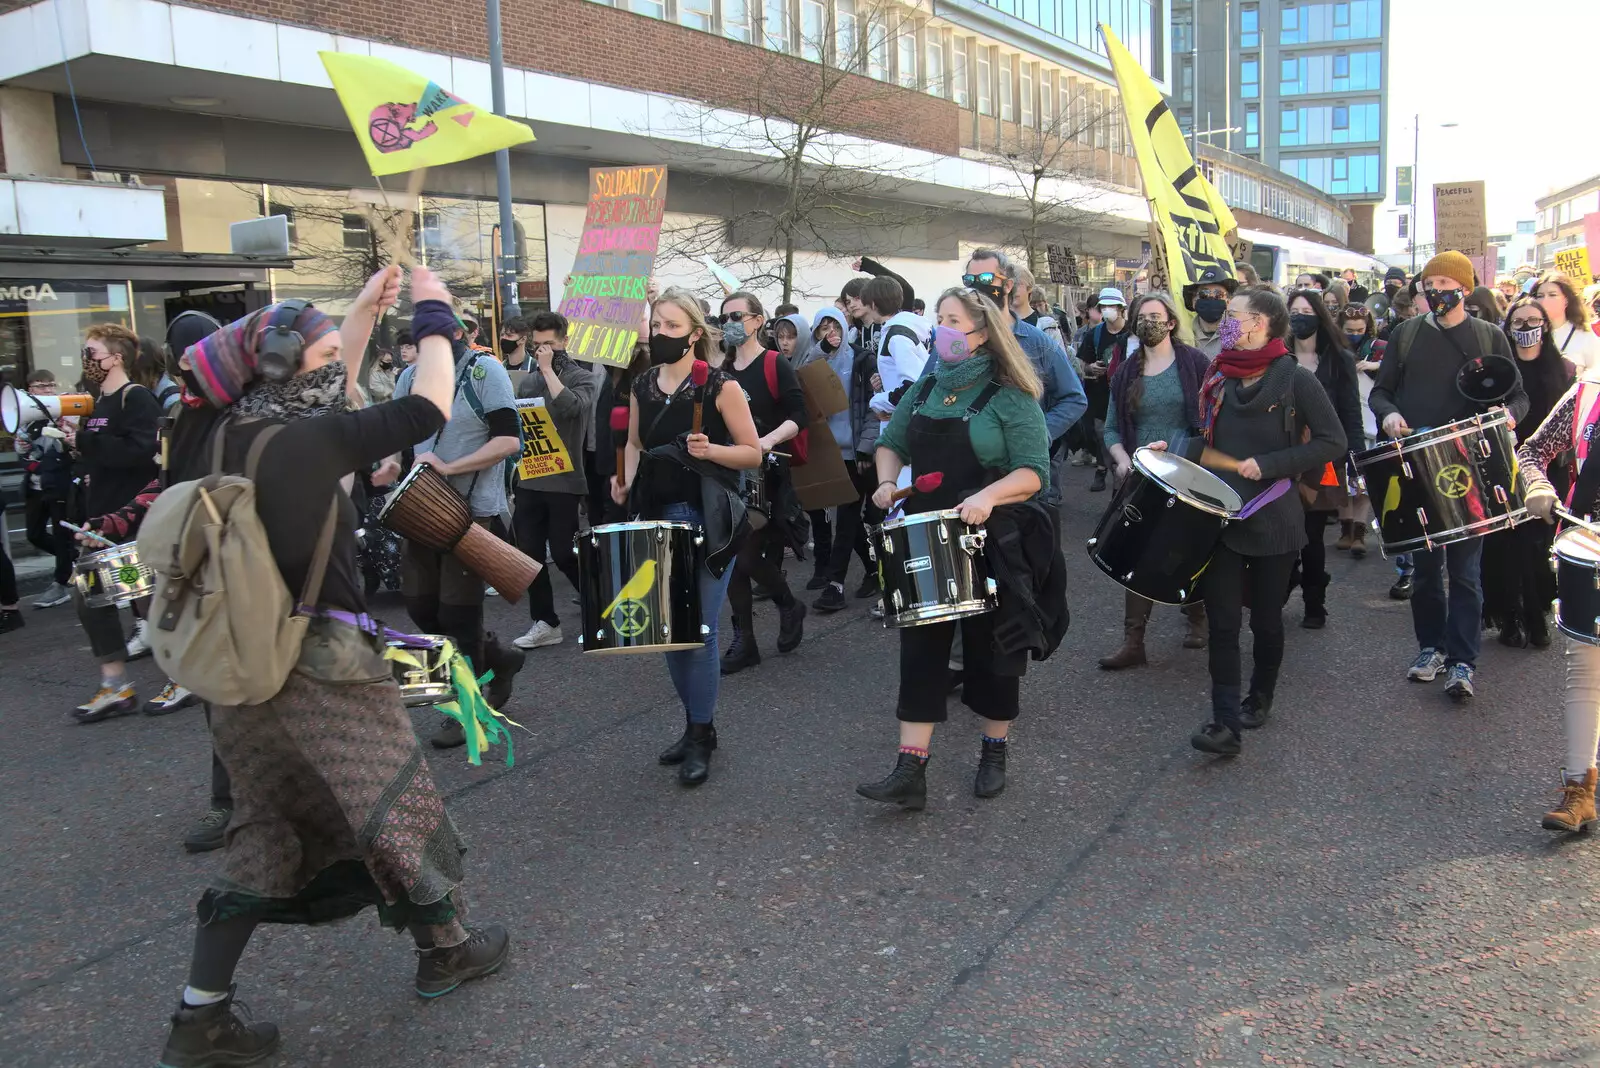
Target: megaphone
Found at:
1486, 380
17, 410
1378, 305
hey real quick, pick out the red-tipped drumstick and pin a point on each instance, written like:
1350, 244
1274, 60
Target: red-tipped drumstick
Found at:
922, 484
700, 373
619, 434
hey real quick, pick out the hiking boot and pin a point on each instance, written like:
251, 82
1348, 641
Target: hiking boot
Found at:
1358, 541
539, 635
54, 594
213, 1036
791, 625
441, 970
505, 663
11, 619
108, 703
1099, 483
678, 750
991, 777
1401, 590
139, 644
1346, 536
832, 599
1135, 617
743, 653
209, 831
1196, 636
1459, 684
868, 587
449, 735
1254, 711
1427, 666
172, 698
699, 740
1576, 811
906, 785
1216, 739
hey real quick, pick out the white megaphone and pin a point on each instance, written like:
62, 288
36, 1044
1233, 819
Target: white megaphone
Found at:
17, 409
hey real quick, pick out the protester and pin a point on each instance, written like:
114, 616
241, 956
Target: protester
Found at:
513, 344
1484, 303
1360, 333
1029, 304
1208, 298
1101, 346
47, 476
1569, 320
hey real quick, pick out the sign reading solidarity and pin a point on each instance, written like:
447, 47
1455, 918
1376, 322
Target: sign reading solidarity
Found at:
1458, 218
605, 297
543, 452
1574, 263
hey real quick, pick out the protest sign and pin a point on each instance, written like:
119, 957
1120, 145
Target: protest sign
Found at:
1458, 218
1574, 263
605, 298
1063, 265
543, 452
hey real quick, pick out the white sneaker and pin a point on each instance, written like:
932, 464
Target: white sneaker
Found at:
490, 591
539, 635
57, 594
1427, 667
139, 644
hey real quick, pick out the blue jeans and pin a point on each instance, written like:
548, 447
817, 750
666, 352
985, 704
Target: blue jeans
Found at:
696, 673
1454, 625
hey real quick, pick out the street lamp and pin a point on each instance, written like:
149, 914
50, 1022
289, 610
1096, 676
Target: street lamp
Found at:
1416, 184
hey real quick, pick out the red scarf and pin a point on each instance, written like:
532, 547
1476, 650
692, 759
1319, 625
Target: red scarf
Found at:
1233, 363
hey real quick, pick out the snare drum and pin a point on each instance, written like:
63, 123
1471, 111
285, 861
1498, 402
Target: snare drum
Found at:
1159, 531
113, 577
430, 682
931, 569
758, 492
639, 588
1576, 559
1444, 485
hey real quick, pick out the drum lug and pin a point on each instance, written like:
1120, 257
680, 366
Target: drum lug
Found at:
899, 602
1171, 501
944, 534
952, 589
1485, 450
699, 539
1500, 494
872, 552
1405, 468
992, 586
600, 635
973, 543
1093, 542
705, 631
888, 546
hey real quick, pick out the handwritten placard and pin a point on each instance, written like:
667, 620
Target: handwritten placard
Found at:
605, 298
543, 451
1574, 263
1458, 218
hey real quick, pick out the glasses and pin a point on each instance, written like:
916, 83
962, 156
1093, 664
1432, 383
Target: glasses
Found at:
739, 317
1525, 324
987, 278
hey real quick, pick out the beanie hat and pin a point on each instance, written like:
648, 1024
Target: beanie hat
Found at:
1451, 264
1395, 274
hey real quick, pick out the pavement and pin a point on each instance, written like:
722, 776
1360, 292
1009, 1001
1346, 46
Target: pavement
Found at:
1366, 885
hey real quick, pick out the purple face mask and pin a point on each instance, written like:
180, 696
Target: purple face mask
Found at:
951, 344
1230, 332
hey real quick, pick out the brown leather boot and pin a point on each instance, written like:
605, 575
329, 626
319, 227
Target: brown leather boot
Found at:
1358, 541
1195, 636
1576, 811
1135, 614
1343, 544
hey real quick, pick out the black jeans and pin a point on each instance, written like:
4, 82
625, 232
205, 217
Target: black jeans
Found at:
850, 522
8, 573
990, 685
45, 514
543, 519
821, 540
1231, 583
1314, 562
752, 562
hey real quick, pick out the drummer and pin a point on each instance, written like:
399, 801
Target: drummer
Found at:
1416, 390
670, 473
1255, 407
975, 419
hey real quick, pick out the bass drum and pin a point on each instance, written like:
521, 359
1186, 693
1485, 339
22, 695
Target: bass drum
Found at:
1157, 535
1576, 559
639, 588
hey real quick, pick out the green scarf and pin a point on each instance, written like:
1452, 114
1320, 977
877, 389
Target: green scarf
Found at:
953, 376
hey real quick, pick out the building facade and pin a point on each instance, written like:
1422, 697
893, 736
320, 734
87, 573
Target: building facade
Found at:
1561, 220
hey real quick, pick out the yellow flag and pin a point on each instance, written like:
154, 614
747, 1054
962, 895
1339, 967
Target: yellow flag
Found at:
1187, 210
404, 121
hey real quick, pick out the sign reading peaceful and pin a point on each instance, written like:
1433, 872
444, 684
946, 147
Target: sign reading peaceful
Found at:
1458, 218
605, 298
543, 452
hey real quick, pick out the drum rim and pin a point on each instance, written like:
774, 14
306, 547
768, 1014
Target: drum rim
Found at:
110, 551
1492, 525
1422, 439
938, 614
1180, 494
642, 524
927, 517
396, 491
1592, 562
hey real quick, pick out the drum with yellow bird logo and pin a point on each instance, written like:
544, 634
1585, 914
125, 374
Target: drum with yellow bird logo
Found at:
639, 592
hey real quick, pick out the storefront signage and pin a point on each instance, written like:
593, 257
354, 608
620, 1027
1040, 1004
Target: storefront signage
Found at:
605, 298
34, 291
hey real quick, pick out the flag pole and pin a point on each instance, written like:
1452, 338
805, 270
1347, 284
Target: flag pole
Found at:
505, 266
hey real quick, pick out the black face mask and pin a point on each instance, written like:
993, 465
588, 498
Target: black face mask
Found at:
1391, 288
509, 345
665, 348
1444, 301
1302, 325
995, 292
1210, 309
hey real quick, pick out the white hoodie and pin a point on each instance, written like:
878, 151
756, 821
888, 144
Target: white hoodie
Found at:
900, 360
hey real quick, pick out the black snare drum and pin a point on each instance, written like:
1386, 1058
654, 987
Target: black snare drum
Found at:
1159, 532
1576, 558
757, 486
931, 569
640, 590
1444, 485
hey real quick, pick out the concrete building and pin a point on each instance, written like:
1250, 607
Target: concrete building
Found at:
1561, 220
1300, 85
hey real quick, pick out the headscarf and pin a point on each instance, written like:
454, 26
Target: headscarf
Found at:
223, 365
1233, 363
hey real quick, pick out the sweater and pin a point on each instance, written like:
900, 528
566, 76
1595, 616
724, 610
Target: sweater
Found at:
1418, 374
117, 446
1190, 364
1008, 435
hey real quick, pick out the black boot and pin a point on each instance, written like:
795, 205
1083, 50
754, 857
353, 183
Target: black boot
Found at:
991, 769
211, 1036
505, 662
1099, 483
1538, 629
1255, 710
700, 739
679, 750
1315, 593
906, 786
791, 625
743, 652
1512, 635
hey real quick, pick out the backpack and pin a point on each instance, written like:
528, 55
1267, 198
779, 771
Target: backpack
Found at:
223, 624
800, 444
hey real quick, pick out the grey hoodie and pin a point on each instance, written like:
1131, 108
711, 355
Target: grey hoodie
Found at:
842, 360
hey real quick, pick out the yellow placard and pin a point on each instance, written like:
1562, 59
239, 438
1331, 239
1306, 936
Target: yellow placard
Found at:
1574, 263
543, 452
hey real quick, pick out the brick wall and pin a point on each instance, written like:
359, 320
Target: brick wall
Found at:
585, 40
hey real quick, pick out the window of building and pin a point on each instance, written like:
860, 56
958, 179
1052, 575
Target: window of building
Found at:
906, 59
960, 72
1102, 122
1341, 18
736, 19
286, 211
1525, 226
1341, 118
1249, 26
775, 24
878, 48
1252, 129
933, 77
813, 30
696, 14
1289, 25
430, 234
1026, 95
1250, 78
357, 232
656, 9
1008, 89
847, 45
1182, 34
1047, 100
985, 77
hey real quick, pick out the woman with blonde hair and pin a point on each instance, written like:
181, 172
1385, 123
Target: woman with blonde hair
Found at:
975, 419
667, 468
1569, 320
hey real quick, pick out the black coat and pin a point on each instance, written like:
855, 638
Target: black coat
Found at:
1023, 549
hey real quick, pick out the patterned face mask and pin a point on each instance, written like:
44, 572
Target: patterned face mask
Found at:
1530, 337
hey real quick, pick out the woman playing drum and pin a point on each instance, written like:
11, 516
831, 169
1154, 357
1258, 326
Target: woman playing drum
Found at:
711, 423
976, 421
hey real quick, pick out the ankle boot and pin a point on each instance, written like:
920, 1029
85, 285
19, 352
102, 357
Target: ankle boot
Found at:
678, 750
214, 1035
1576, 811
1135, 616
743, 652
1315, 593
1195, 637
1346, 535
991, 769
696, 766
1538, 628
906, 786
1358, 540
505, 663
791, 625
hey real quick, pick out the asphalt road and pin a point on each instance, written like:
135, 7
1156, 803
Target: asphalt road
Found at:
1367, 884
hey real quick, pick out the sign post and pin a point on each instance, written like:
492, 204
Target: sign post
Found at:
1459, 221
605, 298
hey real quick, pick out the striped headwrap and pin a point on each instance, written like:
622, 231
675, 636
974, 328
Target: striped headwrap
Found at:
224, 363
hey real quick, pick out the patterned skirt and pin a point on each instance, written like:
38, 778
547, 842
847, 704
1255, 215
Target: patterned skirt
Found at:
334, 810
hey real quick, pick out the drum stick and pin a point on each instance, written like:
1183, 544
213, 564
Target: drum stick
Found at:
700, 373
619, 426
102, 539
1217, 460
1575, 521
924, 484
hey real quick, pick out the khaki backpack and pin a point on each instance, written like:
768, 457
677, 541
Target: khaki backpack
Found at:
223, 624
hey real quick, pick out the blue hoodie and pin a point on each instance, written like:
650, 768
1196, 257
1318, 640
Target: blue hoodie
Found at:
842, 361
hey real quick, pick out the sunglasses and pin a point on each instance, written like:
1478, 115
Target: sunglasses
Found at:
987, 278
739, 317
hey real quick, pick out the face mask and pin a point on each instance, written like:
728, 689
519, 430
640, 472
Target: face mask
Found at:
93, 370
665, 348
951, 344
1356, 339
1152, 333
1443, 301
1529, 338
1302, 326
735, 334
509, 345
1230, 333
1112, 316
1210, 309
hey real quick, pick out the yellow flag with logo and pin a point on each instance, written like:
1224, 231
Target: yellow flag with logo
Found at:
404, 121
1187, 210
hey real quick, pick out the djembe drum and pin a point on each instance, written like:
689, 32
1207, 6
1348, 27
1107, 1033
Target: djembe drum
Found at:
424, 509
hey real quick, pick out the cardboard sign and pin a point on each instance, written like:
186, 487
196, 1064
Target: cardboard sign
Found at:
1574, 263
1458, 218
822, 481
605, 298
824, 392
543, 452
1063, 265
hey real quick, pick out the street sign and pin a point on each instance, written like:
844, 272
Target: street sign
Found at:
1458, 218
1402, 185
